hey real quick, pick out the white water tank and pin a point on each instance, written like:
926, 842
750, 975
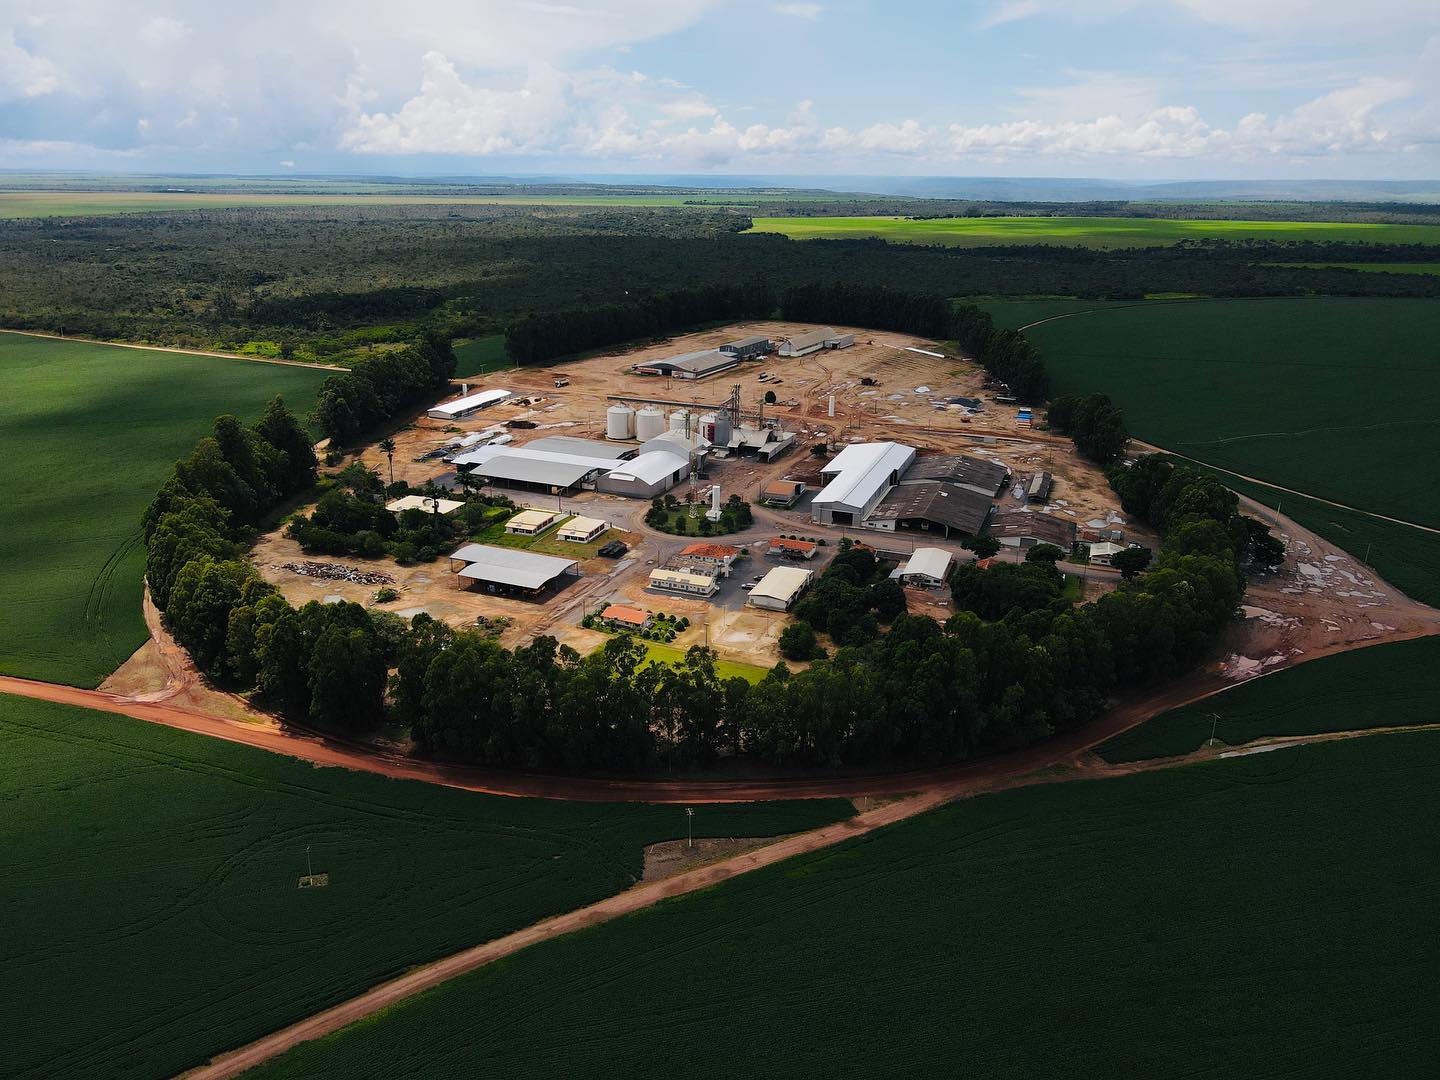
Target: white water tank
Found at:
716, 427
620, 421
649, 423
679, 420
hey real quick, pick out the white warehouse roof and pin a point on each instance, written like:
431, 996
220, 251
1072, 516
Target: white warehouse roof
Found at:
569, 444
468, 403
510, 566
930, 562
783, 583
860, 472
651, 468
535, 466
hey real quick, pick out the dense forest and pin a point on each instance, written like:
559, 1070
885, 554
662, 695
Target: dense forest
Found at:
338, 282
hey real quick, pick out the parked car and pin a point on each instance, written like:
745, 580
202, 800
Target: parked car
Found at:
747, 586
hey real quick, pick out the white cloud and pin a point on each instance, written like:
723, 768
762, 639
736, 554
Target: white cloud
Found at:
1288, 19
605, 114
800, 10
23, 74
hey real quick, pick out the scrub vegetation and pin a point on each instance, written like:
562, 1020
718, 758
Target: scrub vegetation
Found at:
1268, 910
89, 433
164, 923
1393, 685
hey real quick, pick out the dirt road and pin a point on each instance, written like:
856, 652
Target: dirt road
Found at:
641, 896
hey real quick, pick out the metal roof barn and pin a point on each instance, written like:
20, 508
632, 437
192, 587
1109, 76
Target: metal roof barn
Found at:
928, 503
511, 568
569, 444
522, 466
860, 475
471, 403
811, 341
645, 476
691, 365
977, 474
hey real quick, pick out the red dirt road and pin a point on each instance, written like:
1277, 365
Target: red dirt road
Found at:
641, 896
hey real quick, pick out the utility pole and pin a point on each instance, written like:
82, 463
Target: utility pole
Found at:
1214, 721
690, 826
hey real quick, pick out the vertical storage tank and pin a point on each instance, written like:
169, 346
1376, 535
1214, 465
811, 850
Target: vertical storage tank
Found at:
649, 423
680, 420
620, 421
716, 427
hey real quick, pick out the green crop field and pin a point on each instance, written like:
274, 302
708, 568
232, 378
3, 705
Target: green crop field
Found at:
1262, 916
1333, 397
149, 884
481, 355
1084, 231
1383, 686
88, 433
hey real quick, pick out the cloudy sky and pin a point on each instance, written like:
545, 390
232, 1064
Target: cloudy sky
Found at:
1098, 88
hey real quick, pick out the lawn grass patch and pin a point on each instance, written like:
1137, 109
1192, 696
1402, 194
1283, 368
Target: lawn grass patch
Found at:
1261, 916
1330, 396
1092, 232
149, 883
661, 653
480, 355
1381, 686
89, 433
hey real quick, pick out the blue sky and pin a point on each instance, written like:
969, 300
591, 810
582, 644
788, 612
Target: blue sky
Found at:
1124, 89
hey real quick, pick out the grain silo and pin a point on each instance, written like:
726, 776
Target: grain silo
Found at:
716, 427
680, 420
620, 421
649, 422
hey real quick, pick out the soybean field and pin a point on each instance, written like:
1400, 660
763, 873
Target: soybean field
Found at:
150, 884
1391, 685
1254, 916
88, 433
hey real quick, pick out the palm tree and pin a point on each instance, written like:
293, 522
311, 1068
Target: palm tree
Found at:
387, 447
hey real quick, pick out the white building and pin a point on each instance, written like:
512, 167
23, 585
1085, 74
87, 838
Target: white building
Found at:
688, 581
1101, 552
646, 476
857, 479
927, 567
531, 522
582, 530
465, 406
807, 343
780, 588
422, 502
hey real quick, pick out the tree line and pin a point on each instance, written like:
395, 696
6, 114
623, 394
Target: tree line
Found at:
380, 388
1095, 424
538, 338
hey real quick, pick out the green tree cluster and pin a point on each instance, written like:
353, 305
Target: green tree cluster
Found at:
1094, 422
380, 388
